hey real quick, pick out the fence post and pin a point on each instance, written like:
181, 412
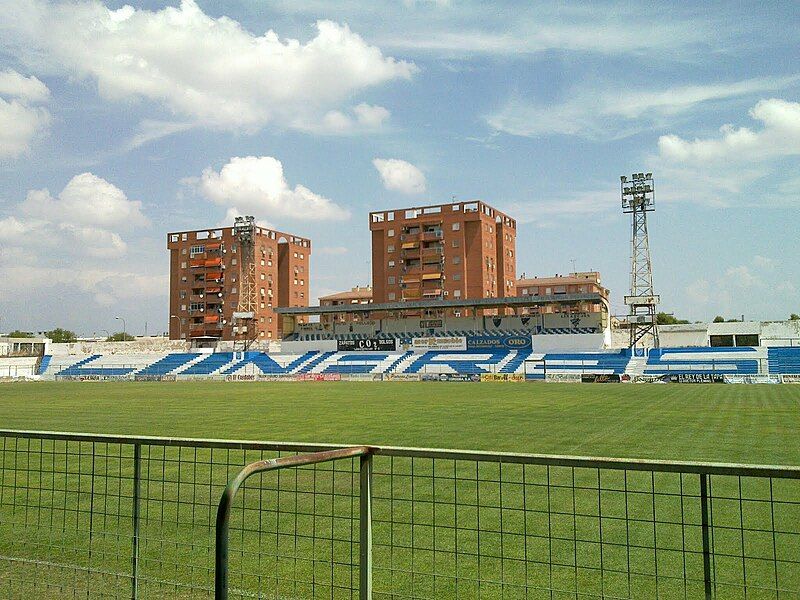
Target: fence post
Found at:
365, 528
706, 545
137, 455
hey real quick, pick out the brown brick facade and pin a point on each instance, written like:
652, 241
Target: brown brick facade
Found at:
463, 250
205, 280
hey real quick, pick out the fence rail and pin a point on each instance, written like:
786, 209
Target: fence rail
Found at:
104, 516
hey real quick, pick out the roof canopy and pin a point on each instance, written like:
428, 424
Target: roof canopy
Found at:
511, 301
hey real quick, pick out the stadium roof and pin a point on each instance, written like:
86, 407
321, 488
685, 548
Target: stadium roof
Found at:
510, 301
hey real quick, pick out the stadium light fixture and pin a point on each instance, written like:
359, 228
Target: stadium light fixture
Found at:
124, 328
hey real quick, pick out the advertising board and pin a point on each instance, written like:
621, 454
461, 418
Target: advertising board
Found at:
514, 377
401, 377
752, 378
600, 378
499, 342
439, 343
367, 345
318, 377
563, 377
694, 378
468, 377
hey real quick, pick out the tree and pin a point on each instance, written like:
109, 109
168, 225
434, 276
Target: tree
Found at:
719, 319
794, 317
20, 334
120, 337
62, 336
667, 319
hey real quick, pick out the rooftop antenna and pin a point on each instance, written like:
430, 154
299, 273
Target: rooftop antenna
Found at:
638, 199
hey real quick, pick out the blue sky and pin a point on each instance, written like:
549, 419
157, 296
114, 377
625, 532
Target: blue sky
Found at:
119, 123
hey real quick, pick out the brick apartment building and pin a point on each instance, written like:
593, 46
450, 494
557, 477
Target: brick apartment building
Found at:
574, 283
206, 278
357, 295
463, 250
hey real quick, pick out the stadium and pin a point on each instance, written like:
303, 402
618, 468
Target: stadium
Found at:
362, 503
319, 300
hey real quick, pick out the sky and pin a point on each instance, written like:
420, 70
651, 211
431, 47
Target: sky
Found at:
120, 123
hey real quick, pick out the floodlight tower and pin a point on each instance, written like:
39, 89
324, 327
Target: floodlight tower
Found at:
244, 230
638, 199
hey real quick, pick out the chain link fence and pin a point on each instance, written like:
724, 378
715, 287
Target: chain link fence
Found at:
91, 516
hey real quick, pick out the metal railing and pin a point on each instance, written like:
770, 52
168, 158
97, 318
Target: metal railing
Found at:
85, 515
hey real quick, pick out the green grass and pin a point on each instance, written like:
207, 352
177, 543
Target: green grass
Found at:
751, 424
442, 529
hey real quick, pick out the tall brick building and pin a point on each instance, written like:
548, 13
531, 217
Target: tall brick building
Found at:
448, 251
206, 275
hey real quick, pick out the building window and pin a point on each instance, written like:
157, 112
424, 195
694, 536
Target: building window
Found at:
457, 293
390, 233
269, 263
456, 243
456, 226
234, 261
263, 262
234, 291
183, 278
183, 251
197, 250
184, 237
183, 264
390, 248
456, 260
263, 277
183, 293
392, 280
391, 263
183, 307
302, 255
392, 296
457, 277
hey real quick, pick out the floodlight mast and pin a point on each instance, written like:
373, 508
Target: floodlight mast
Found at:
244, 328
638, 198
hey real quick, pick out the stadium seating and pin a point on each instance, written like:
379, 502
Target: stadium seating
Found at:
168, 364
213, 363
722, 361
785, 361
657, 362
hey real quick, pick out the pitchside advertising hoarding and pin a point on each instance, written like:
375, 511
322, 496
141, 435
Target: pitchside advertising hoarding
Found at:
367, 345
482, 342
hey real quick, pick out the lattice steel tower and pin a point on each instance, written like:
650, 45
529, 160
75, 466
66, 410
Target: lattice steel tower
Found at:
638, 199
244, 230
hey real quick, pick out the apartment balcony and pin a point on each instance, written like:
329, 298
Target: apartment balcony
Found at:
197, 298
409, 237
213, 262
433, 251
432, 236
197, 263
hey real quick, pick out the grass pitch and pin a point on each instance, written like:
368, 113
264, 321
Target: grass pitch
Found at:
727, 423
443, 529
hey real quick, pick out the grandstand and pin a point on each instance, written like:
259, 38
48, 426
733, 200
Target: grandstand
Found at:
533, 365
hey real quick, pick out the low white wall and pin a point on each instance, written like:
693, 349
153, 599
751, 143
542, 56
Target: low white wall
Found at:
571, 342
139, 346
18, 367
303, 347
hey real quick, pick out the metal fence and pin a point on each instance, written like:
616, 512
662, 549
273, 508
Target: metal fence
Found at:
95, 516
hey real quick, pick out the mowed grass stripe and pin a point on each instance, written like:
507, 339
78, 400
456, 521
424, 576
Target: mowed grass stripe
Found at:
443, 529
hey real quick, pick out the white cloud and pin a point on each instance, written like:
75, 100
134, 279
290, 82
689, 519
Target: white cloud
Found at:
87, 200
615, 113
29, 89
578, 204
257, 186
364, 118
779, 136
400, 176
152, 129
78, 222
209, 71
20, 122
